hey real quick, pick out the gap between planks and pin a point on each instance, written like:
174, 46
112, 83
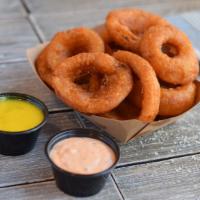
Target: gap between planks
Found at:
28, 183
32, 24
112, 175
117, 186
156, 160
82, 124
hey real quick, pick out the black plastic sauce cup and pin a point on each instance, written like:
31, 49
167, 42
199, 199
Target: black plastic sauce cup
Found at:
78, 184
19, 143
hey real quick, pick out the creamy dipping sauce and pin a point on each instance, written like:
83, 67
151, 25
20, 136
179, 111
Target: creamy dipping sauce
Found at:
82, 155
19, 115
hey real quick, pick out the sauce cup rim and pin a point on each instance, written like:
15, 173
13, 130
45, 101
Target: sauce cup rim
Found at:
29, 98
93, 132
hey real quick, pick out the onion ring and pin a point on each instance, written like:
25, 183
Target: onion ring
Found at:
126, 26
148, 79
124, 111
175, 101
115, 82
43, 70
110, 45
71, 42
103, 33
135, 96
181, 68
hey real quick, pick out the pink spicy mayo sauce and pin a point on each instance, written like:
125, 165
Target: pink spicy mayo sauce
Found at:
82, 155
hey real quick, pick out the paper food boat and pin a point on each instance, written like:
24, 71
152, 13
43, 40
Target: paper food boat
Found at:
125, 130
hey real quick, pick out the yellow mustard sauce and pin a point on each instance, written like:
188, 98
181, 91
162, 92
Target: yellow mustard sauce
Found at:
19, 115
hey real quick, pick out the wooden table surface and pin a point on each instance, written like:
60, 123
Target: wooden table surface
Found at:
162, 165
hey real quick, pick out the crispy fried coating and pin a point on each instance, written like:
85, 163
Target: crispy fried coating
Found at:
124, 111
42, 67
69, 43
178, 66
174, 101
110, 45
151, 87
135, 96
115, 82
127, 26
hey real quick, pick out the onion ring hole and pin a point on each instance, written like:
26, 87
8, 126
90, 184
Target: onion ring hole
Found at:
170, 49
90, 81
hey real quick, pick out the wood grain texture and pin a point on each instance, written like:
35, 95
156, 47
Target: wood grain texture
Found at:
34, 165
180, 138
193, 18
19, 77
175, 179
47, 29
48, 191
11, 9
16, 35
63, 6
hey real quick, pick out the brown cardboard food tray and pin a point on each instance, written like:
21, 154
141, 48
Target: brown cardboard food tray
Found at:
123, 131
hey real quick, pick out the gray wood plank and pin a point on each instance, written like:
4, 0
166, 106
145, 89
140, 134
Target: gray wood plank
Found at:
175, 179
63, 6
19, 77
47, 29
16, 35
180, 138
48, 190
193, 18
12, 9
34, 165
168, 7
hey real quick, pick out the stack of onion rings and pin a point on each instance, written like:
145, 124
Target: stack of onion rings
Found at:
66, 44
96, 72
